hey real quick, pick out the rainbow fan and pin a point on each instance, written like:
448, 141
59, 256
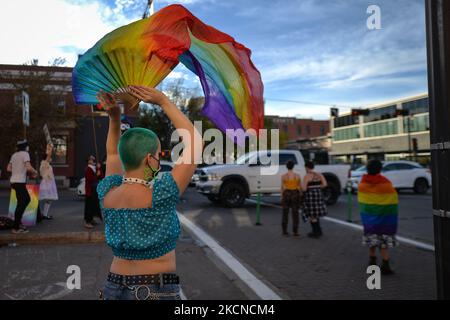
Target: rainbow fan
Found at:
146, 51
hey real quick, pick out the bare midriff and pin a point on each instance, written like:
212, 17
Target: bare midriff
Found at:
164, 264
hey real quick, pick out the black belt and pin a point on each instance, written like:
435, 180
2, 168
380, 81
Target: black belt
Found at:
157, 279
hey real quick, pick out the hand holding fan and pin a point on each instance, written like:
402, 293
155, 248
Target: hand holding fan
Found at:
146, 51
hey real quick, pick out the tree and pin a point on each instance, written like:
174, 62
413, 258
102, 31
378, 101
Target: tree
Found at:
187, 100
47, 106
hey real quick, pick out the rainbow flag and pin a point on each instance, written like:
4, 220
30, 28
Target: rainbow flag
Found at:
30, 214
378, 205
146, 51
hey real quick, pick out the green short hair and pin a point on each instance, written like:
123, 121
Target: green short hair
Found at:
134, 145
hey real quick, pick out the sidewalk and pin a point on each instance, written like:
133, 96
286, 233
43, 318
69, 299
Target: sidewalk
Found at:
66, 227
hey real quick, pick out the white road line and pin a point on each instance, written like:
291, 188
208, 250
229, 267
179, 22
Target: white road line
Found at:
182, 295
261, 289
417, 244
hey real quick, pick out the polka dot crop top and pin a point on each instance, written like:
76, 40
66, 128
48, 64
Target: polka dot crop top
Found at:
147, 233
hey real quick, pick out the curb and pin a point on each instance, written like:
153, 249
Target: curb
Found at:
54, 238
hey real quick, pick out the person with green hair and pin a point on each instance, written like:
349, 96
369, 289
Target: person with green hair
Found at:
139, 203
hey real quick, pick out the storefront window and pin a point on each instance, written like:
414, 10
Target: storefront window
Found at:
381, 129
345, 121
346, 134
417, 123
416, 106
60, 151
381, 114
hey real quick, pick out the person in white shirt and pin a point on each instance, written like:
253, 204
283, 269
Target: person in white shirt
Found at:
19, 166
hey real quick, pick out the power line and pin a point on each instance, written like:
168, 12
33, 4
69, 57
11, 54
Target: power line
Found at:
310, 103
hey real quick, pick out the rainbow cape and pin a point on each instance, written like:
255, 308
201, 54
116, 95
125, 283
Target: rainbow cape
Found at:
378, 205
146, 51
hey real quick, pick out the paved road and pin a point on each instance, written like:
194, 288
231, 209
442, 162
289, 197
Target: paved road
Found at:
330, 268
415, 214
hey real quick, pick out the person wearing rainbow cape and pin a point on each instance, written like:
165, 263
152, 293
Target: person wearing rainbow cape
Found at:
139, 203
378, 205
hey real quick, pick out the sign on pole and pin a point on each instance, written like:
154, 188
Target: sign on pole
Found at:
26, 108
48, 137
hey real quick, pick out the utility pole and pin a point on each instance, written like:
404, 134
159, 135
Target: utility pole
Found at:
438, 45
408, 117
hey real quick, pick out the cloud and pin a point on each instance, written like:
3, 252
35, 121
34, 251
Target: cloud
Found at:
56, 28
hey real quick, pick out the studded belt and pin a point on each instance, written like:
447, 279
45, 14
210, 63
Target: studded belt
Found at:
156, 279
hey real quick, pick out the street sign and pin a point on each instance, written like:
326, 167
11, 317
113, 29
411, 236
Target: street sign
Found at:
48, 137
334, 112
26, 108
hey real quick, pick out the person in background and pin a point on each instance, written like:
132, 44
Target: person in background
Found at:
47, 189
91, 204
19, 166
378, 205
291, 198
314, 205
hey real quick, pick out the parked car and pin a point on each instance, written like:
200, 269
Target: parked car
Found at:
81, 192
402, 174
231, 184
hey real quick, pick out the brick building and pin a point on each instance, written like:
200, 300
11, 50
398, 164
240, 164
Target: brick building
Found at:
300, 129
74, 139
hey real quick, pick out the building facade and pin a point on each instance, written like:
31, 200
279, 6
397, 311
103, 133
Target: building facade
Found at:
299, 129
386, 133
310, 137
74, 140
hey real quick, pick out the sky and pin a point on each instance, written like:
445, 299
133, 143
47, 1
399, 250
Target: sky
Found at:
316, 53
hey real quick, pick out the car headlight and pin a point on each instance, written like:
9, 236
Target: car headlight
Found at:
213, 177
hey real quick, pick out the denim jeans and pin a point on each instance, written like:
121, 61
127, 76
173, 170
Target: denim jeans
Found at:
114, 291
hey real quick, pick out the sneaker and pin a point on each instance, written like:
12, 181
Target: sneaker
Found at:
285, 234
47, 217
296, 234
19, 231
372, 261
88, 226
386, 268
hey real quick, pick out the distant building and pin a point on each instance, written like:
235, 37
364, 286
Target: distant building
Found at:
384, 134
74, 139
296, 128
309, 136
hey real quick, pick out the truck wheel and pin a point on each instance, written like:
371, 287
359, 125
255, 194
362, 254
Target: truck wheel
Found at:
232, 195
421, 186
331, 194
213, 199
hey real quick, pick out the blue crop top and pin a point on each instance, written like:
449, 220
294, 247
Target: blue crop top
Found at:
147, 233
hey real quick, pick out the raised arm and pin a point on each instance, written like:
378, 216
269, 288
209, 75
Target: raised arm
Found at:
109, 103
193, 145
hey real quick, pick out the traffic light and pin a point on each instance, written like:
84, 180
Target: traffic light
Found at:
360, 112
334, 112
401, 112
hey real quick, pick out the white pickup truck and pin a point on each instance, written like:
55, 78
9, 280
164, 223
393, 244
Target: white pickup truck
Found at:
231, 184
